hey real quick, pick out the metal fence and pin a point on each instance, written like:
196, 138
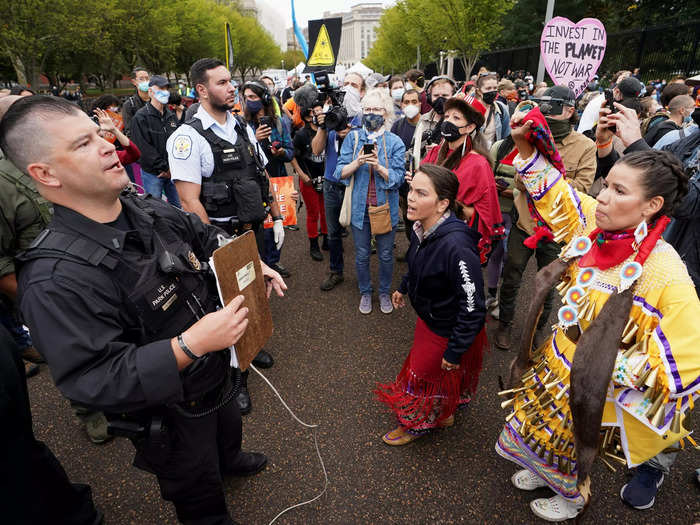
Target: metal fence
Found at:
659, 52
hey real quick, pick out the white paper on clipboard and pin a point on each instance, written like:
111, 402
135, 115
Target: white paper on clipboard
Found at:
234, 356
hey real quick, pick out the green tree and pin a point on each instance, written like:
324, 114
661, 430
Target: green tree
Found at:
393, 50
292, 57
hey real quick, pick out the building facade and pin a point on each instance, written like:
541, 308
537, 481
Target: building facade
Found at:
269, 18
358, 34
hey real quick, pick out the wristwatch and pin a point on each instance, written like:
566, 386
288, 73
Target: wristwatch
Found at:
186, 349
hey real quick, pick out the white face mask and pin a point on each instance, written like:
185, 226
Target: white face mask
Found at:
114, 109
411, 111
397, 94
326, 108
352, 101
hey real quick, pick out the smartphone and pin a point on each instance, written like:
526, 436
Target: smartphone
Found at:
266, 121
368, 149
609, 103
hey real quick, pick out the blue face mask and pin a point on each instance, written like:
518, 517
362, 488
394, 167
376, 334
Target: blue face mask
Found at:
143, 86
162, 96
688, 119
254, 106
372, 121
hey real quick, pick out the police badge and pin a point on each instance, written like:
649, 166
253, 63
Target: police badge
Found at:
194, 262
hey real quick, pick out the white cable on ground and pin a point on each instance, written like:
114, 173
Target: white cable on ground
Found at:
318, 452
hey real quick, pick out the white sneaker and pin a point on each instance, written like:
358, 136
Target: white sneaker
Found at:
496, 312
526, 480
557, 508
491, 301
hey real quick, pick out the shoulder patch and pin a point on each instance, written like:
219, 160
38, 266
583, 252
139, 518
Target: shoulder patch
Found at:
182, 147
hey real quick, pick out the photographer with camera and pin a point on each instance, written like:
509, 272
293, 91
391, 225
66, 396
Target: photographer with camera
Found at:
334, 123
310, 168
438, 90
275, 141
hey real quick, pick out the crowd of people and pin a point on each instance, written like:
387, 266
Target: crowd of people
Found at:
108, 225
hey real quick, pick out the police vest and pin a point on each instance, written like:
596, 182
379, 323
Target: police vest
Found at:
238, 186
165, 291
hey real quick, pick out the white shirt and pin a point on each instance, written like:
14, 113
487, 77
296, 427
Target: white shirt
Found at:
189, 154
589, 117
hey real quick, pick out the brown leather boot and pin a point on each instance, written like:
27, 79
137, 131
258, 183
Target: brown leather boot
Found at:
503, 336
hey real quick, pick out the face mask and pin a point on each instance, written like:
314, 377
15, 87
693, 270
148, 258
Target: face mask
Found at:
326, 108
352, 101
113, 109
489, 97
162, 96
372, 121
254, 106
439, 105
559, 128
449, 131
696, 116
411, 111
688, 119
397, 94
143, 86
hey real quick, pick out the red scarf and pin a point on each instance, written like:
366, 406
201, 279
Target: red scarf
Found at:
611, 248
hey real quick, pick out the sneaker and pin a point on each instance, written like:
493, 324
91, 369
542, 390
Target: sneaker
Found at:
366, 304
491, 301
496, 313
526, 480
31, 354
96, 428
281, 270
503, 336
555, 509
385, 304
640, 492
334, 279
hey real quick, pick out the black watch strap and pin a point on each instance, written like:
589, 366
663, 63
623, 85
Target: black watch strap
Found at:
186, 349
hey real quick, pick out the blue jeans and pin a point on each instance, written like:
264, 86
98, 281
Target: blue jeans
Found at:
156, 187
271, 255
333, 200
385, 252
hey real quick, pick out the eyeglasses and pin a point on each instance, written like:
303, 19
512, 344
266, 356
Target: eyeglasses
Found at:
374, 110
488, 74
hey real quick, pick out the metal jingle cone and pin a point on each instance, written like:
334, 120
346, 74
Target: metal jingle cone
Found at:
676, 422
555, 210
510, 416
650, 381
557, 199
562, 393
606, 439
607, 464
561, 285
546, 378
558, 219
507, 402
590, 312
542, 451
628, 325
654, 408
639, 369
630, 335
640, 381
557, 440
645, 343
649, 394
561, 463
539, 366
550, 457
659, 417
512, 391
627, 353
621, 461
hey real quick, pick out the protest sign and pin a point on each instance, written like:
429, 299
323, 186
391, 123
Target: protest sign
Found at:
324, 44
572, 53
282, 189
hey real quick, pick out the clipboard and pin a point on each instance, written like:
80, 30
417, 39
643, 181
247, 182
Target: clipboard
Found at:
238, 272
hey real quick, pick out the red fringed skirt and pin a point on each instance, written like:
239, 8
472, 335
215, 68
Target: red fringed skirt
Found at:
424, 394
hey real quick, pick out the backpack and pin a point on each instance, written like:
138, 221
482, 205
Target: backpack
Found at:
656, 118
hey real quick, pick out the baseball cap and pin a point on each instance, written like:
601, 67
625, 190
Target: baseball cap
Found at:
630, 87
562, 93
376, 78
160, 81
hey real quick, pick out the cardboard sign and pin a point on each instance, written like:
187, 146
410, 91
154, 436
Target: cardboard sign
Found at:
572, 53
324, 44
282, 189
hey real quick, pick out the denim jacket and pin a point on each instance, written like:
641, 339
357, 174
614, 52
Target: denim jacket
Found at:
395, 152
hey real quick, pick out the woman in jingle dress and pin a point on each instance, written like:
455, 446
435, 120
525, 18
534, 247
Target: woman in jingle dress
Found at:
618, 375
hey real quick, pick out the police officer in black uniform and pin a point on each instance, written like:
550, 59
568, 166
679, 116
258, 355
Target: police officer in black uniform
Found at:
127, 310
219, 171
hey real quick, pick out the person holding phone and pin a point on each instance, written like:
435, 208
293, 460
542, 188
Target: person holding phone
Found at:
273, 136
372, 159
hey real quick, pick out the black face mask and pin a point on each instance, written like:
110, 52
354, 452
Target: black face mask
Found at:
449, 131
695, 115
438, 105
489, 97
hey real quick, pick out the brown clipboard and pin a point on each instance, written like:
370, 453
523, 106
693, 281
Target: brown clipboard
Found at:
238, 271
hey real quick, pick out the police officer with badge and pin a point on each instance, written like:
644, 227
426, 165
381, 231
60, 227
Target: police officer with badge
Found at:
126, 314
219, 171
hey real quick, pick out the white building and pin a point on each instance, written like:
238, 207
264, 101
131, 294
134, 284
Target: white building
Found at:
358, 33
269, 18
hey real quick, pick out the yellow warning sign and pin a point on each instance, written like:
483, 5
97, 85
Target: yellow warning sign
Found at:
322, 55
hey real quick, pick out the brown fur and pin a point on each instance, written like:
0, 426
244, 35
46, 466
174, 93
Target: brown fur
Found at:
590, 376
546, 278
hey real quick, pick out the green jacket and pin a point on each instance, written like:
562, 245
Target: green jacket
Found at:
23, 214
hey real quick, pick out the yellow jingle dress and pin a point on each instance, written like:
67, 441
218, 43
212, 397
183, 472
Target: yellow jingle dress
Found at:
657, 369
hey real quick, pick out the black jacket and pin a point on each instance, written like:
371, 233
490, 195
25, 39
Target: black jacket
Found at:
445, 284
129, 108
658, 131
150, 131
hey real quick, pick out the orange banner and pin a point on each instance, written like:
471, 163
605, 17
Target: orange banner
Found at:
282, 189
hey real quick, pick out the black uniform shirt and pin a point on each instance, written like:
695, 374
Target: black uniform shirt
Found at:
150, 131
80, 325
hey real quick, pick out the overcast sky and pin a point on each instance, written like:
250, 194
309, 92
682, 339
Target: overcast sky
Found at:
310, 9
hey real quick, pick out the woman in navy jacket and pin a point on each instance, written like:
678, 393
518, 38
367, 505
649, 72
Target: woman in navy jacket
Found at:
445, 286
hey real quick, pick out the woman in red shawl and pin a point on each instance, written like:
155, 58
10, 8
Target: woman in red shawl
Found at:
464, 151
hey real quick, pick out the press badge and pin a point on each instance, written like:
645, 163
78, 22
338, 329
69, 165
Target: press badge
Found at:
231, 156
162, 296
245, 276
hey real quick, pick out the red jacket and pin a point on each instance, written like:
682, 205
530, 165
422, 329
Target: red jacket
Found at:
129, 154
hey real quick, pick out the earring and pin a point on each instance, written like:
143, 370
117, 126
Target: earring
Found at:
640, 233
